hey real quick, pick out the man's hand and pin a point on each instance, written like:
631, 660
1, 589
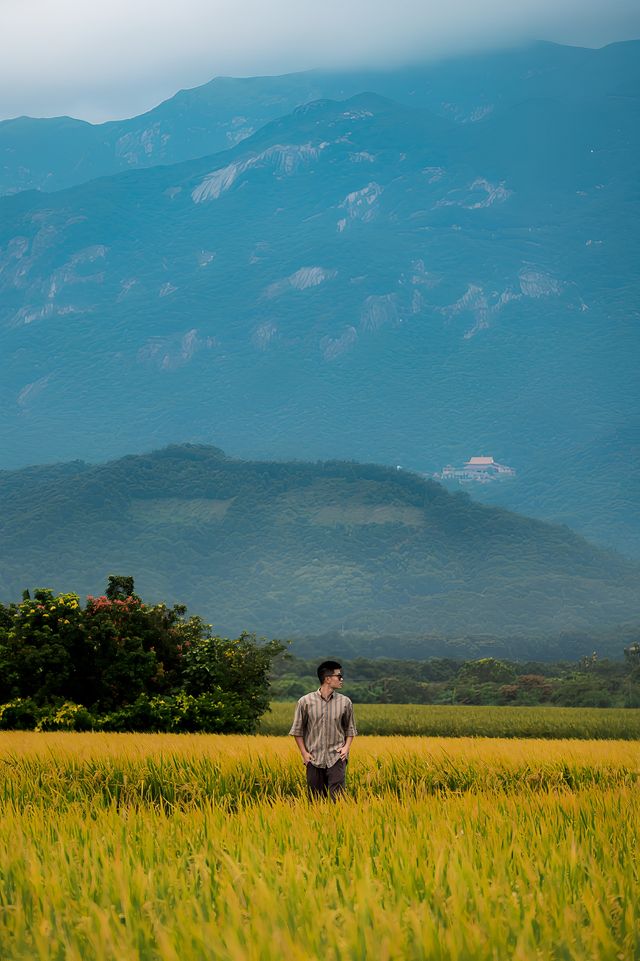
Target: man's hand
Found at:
306, 758
343, 753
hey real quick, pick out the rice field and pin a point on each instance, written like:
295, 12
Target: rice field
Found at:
181, 770
193, 847
461, 720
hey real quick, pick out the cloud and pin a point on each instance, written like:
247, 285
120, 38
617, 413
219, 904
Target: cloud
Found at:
100, 61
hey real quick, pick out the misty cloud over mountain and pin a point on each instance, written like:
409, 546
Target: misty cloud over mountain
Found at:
100, 62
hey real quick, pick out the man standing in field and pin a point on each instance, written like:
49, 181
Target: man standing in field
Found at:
324, 728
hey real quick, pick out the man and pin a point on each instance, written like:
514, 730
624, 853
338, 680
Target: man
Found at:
324, 728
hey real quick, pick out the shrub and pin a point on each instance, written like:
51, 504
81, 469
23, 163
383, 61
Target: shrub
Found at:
67, 717
238, 667
487, 670
144, 714
215, 712
582, 691
20, 714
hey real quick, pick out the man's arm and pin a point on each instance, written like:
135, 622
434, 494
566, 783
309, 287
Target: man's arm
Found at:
306, 757
350, 731
298, 731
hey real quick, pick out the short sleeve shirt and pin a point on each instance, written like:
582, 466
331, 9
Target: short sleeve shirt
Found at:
324, 725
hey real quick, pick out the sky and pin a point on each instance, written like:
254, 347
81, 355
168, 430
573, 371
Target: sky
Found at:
108, 60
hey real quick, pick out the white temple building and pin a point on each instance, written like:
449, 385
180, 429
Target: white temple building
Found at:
479, 470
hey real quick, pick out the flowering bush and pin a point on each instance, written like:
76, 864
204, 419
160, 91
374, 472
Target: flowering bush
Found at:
41, 646
120, 664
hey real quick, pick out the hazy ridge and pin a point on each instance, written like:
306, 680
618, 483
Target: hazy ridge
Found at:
299, 548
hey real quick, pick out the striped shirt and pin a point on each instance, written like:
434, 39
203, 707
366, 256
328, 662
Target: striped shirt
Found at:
324, 725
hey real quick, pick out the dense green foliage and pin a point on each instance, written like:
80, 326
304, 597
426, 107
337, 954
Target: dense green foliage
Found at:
294, 549
118, 664
591, 682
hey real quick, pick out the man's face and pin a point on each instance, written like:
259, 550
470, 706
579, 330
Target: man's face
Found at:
334, 680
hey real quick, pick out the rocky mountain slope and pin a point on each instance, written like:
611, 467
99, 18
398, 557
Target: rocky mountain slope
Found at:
50, 154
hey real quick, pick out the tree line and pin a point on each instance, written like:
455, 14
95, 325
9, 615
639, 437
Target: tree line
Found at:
591, 681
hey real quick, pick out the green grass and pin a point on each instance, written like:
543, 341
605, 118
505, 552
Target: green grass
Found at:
463, 721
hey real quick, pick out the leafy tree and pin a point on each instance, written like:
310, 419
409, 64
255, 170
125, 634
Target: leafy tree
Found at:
121, 637
487, 670
119, 587
583, 690
528, 689
143, 666
395, 690
42, 647
239, 666
476, 692
632, 660
136, 647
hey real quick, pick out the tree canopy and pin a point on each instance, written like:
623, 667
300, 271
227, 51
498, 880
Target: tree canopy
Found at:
116, 663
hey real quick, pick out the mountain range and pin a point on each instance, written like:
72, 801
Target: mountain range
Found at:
407, 266
58, 152
297, 549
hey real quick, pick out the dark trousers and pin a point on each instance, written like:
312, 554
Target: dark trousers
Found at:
326, 781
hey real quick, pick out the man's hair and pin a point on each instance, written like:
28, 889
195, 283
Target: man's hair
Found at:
327, 667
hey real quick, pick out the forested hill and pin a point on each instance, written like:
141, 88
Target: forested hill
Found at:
300, 548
